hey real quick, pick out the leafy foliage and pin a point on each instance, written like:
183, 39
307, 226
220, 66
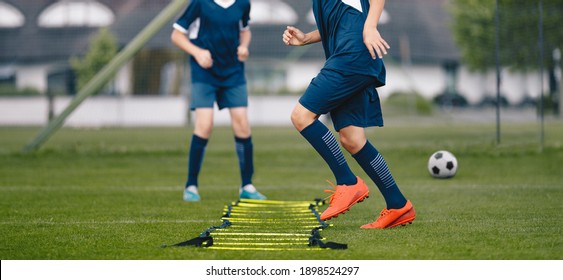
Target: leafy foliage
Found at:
409, 101
103, 48
474, 31
12, 90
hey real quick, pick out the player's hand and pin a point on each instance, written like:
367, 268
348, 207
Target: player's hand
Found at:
242, 53
293, 37
376, 45
204, 59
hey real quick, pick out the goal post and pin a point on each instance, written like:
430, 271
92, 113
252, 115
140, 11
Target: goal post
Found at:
107, 72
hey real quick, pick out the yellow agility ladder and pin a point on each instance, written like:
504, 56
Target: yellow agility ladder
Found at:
267, 225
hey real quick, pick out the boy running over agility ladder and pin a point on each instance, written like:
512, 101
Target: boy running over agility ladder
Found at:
345, 88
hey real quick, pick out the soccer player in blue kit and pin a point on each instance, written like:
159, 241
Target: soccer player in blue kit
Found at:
216, 34
346, 88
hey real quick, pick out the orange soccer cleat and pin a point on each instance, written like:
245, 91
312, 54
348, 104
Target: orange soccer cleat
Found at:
343, 197
389, 218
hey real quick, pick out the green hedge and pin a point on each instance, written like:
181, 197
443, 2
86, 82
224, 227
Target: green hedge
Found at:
11, 90
404, 101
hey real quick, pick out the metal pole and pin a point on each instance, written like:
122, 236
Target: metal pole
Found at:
497, 57
557, 61
108, 72
540, 44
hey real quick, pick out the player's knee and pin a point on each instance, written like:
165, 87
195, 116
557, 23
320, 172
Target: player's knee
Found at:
205, 134
297, 120
203, 131
242, 130
301, 118
351, 144
347, 145
240, 124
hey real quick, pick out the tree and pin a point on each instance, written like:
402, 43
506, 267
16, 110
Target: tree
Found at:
474, 32
103, 47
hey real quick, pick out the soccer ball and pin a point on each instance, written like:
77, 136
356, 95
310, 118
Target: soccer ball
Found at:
442, 164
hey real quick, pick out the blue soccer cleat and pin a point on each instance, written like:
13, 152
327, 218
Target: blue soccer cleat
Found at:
250, 192
191, 194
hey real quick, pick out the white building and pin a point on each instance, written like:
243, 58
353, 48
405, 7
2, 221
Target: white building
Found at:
37, 38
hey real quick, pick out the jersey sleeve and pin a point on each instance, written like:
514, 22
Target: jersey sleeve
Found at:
244, 22
191, 13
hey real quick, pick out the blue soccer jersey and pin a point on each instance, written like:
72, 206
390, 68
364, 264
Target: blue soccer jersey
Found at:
215, 25
341, 25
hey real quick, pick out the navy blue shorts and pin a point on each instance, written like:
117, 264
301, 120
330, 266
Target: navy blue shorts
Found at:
205, 95
351, 99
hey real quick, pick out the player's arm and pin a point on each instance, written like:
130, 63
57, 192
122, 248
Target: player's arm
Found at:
295, 37
202, 56
372, 39
242, 50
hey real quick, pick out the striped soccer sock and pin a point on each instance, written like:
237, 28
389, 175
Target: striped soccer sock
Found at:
195, 159
374, 165
326, 145
244, 149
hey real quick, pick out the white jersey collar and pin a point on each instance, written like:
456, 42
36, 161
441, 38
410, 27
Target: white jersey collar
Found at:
224, 3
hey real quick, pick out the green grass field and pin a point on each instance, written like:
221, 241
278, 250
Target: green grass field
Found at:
116, 193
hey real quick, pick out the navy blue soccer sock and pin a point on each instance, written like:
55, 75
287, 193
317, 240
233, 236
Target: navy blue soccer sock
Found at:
195, 159
375, 166
244, 150
326, 145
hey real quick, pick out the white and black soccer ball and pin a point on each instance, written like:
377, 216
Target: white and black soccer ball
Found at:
442, 164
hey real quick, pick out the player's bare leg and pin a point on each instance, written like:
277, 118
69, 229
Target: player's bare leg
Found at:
203, 122
239, 122
244, 149
352, 138
301, 117
202, 132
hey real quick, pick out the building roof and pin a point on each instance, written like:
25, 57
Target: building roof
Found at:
424, 24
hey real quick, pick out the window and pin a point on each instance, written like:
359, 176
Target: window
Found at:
10, 17
80, 13
272, 12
